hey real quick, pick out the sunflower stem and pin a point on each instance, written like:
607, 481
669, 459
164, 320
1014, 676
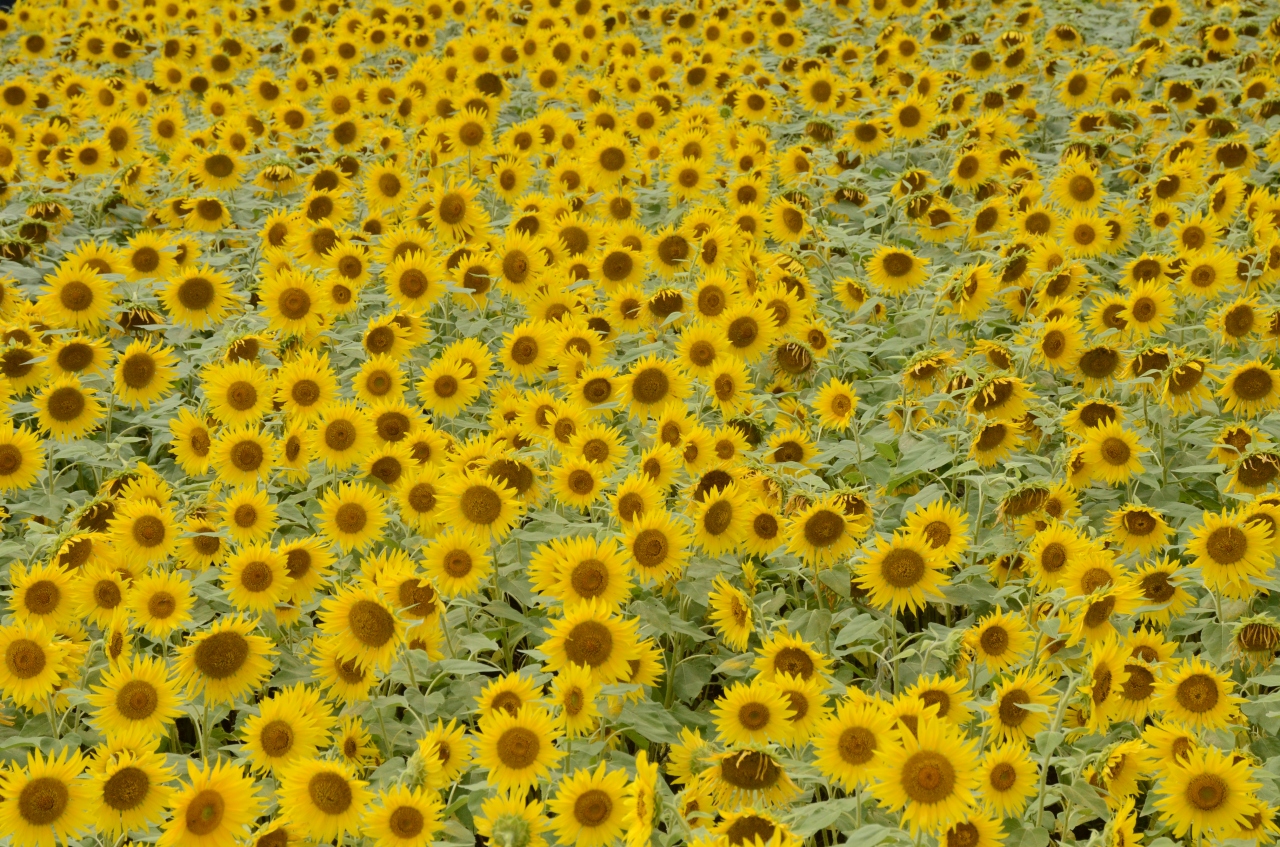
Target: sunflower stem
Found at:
204, 730
54, 725
1044, 765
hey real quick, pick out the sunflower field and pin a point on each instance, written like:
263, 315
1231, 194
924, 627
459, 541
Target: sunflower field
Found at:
732, 423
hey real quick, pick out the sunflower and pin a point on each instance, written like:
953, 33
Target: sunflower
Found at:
161, 602
1113, 453
1076, 187
731, 612
651, 384
76, 297
403, 817
784, 653
143, 531
144, 373
1251, 389
1000, 640
306, 386
129, 790
576, 693
1211, 793
479, 502
214, 805
1105, 675
322, 798
929, 775
1196, 695
226, 660
79, 355
746, 777
658, 545
284, 731
580, 570
42, 594
748, 330
591, 635
755, 713
457, 562
1008, 779
943, 526
255, 579
1006, 715
821, 532
248, 515
46, 799
1160, 583
243, 455
1139, 528
344, 435
517, 750
34, 663
896, 271
901, 572
834, 405
1231, 553
506, 811
911, 119
370, 633
239, 392
589, 807
292, 301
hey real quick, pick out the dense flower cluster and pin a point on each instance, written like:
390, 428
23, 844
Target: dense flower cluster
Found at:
585, 422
